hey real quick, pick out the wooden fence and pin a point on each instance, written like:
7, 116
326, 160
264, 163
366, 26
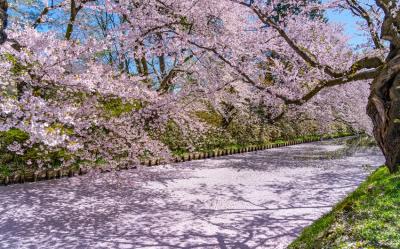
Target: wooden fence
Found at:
48, 174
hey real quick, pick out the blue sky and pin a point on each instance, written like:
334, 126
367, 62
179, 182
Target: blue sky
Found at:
349, 22
350, 25
345, 18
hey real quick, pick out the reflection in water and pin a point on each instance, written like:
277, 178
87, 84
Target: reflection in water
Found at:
343, 147
254, 200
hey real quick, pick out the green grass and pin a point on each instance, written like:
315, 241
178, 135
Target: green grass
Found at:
368, 218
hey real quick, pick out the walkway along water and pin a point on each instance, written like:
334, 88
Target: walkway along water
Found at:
255, 200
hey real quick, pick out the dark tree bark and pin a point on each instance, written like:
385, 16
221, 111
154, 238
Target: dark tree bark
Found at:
384, 110
76, 6
3, 20
384, 101
73, 13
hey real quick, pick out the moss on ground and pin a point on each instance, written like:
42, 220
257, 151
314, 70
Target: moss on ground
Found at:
368, 218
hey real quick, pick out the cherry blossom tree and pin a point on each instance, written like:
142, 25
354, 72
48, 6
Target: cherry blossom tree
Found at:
155, 58
334, 65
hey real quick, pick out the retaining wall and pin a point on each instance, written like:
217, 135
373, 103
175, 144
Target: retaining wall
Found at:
48, 174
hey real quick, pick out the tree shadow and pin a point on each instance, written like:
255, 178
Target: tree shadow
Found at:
252, 200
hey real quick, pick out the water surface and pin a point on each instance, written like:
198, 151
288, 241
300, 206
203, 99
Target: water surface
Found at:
255, 200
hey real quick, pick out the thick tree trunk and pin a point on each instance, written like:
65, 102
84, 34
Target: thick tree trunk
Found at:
3, 20
384, 110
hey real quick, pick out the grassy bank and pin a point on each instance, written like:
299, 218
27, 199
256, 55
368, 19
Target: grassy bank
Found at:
367, 218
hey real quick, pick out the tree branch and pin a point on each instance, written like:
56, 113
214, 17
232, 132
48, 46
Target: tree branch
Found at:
358, 10
365, 75
3, 20
366, 63
390, 26
44, 12
303, 54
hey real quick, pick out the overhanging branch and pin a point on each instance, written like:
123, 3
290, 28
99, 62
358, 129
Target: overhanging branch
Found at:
365, 75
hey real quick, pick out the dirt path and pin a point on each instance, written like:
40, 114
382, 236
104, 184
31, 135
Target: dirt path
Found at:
254, 200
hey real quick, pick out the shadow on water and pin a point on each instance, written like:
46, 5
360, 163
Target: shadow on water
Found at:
350, 146
253, 200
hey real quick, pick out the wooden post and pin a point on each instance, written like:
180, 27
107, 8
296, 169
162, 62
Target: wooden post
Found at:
35, 176
28, 177
84, 170
22, 177
16, 178
70, 172
48, 174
